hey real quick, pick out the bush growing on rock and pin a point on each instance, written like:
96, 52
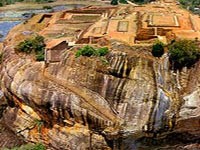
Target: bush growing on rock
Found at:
141, 1
1, 58
102, 51
86, 51
123, 1
47, 7
90, 51
25, 46
114, 2
40, 56
38, 146
158, 49
31, 45
183, 53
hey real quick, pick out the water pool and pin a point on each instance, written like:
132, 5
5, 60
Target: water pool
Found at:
5, 27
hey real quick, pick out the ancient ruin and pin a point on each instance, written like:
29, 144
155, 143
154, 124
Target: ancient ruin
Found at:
131, 24
127, 99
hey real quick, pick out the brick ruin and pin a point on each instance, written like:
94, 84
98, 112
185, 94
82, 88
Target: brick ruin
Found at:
132, 25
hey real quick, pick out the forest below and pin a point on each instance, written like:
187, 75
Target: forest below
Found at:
192, 5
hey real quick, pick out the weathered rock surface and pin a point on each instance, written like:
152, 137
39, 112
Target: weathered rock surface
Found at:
81, 103
189, 119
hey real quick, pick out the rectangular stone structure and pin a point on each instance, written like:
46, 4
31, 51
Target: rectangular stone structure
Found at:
162, 20
122, 26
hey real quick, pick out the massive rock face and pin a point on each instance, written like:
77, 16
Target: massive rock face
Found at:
71, 103
89, 103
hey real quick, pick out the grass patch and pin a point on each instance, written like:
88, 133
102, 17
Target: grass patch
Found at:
38, 146
39, 124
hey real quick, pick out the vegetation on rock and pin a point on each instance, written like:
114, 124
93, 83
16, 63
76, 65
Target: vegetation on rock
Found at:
114, 2
158, 49
123, 1
193, 5
183, 53
38, 146
90, 51
102, 51
33, 45
141, 1
39, 124
1, 58
47, 7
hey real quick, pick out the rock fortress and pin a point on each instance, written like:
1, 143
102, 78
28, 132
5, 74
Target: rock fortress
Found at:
126, 100
132, 24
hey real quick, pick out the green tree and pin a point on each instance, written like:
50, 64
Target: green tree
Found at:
114, 2
33, 45
158, 49
86, 51
102, 51
123, 1
90, 51
25, 46
183, 53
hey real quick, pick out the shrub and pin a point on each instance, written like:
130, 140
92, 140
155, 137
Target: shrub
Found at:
38, 146
86, 51
40, 56
114, 2
44, 1
102, 51
47, 7
158, 49
90, 51
183, 53
1, 58
35, 45
123, 1
25, 46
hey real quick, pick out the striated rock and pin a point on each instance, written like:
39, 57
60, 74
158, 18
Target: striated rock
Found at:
189, 119
33, 130
122, 101
130, 96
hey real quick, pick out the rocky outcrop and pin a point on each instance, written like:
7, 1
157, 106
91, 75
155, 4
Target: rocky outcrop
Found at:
115, 102
189, 119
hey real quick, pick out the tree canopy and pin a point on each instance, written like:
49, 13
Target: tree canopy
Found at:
158, 49
193, 5
33, 45
184, 53
90, 51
